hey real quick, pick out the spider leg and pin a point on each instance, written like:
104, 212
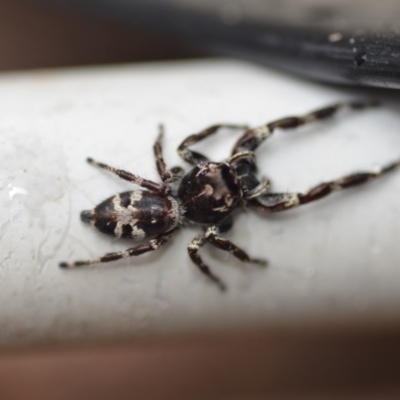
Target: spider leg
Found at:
245, 166
193, 249
252, 138
244, 156
273, 202
193, 157
167, 176
152, 245
259, 190
212, 235
178, 171
128, 176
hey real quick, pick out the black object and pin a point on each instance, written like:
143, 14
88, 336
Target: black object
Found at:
338, 41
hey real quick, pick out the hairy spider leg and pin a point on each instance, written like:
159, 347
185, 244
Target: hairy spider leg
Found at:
193, 157
284, 201
252, 138
213, 236
193, 249
152, 245
259, 190
245, 165
244, 156
167, 176
128, 176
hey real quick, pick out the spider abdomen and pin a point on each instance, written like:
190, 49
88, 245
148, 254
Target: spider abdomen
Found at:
136, 214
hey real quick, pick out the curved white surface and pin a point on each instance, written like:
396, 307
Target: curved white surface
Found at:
339, 257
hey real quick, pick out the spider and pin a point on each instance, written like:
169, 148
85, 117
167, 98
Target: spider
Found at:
208, 195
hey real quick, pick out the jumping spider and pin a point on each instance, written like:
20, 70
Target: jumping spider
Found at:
207, 195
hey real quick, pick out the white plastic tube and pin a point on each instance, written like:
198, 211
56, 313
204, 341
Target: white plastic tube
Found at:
336, 258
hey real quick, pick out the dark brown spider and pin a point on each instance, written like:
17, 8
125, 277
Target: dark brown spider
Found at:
207, 195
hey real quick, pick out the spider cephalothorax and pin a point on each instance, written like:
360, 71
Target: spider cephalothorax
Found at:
207, 195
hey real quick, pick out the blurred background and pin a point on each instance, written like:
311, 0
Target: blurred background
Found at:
336, 41
41, 35
330, 362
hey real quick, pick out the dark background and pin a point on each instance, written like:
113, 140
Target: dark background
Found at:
36, 36
336, 41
